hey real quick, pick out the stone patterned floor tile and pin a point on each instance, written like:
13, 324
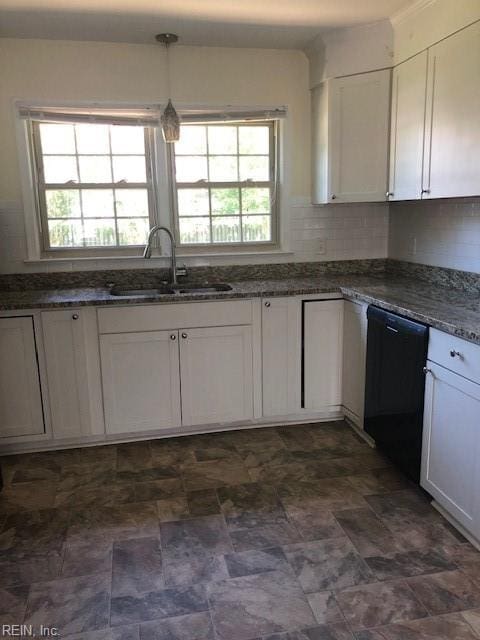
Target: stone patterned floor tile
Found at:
313, 524
378, 481
137, 567
410, 563
447, 627
401, 508
379, 604
28, 496
473, 618
323, 495
258, 605
157, 605
203, 502
174, 508
27, 567
250, 505
72, 605
263, 537
13, 601
85, 558
248, 563
196, 626
43, 530
213, 474
325, 608
367, 532
130, 632
327, 564
157, 489
446, 592
134, 455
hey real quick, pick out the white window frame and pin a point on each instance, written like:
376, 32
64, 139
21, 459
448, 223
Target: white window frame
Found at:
273, 184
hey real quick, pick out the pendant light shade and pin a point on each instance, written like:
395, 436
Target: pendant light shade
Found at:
170, 120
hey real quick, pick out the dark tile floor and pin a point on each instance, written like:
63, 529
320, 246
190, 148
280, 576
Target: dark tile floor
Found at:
294, 533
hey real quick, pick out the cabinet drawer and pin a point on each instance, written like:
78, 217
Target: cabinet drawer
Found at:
158, 317
466, 358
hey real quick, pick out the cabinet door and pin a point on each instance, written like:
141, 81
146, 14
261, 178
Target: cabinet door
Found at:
359, 109
73, 372
322, 354
21, 411
354, 359
141, 382
217, 375
281, 356
451, 444
409, 85
452, 134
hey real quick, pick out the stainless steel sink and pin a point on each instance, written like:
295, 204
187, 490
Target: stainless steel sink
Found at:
146, 293
191, 287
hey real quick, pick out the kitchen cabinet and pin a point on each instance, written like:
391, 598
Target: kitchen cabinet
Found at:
216, 374
451, 445
73, 372
452, 131
281, 356
21, 411
322, 354
350, 121
354, 360
141, 383
409, 83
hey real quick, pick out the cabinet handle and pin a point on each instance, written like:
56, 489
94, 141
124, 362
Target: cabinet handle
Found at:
454, 353
425, 190
389, 194
184, 335
334, 197
267, 304
173, 337
426, 370
75, 316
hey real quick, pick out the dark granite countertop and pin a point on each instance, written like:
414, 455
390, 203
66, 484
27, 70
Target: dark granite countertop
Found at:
456, 312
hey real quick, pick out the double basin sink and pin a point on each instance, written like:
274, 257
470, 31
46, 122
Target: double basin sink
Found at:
168, 290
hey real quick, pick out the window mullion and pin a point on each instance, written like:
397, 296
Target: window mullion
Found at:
210, 220
80, 198
115, 222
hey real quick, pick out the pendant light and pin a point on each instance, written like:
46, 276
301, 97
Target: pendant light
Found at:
169, 119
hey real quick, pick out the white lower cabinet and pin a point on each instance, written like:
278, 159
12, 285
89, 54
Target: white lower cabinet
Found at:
73, 372
281, 356
216, 374
322, 354
354, 360
141, 383
21, 412
451, 445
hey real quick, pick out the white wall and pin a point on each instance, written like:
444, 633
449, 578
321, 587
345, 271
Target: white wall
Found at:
87, 71
441, 233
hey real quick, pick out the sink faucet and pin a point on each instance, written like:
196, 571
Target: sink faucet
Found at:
147, 253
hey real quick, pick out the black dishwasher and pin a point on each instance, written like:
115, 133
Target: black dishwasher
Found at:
395, 386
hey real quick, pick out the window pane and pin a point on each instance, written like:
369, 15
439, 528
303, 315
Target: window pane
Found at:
223, 168
193, 140
127, 139
97, 203
191, 168
132, 231
255, 168
193, 202
225, 201
95, 169
92, 138
59, 169
65, 233
255, 200
129, 168
254, 139
57, 138
222, 139
132, 202
256, 228
99, 233
63, 203
226, 229
194, 230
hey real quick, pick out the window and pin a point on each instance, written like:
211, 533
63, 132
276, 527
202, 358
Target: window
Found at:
224, 178
94, 185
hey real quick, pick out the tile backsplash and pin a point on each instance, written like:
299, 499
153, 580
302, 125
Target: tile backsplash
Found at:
310, 233
442, 233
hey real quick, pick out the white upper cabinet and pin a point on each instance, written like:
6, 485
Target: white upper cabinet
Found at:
73, 372
20, 398
409, 83
281, 356
217, 374
452, 125
350, 122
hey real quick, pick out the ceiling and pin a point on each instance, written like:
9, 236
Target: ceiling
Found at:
279, 24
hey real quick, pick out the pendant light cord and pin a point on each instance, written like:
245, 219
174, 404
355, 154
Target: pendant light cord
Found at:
169, 92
